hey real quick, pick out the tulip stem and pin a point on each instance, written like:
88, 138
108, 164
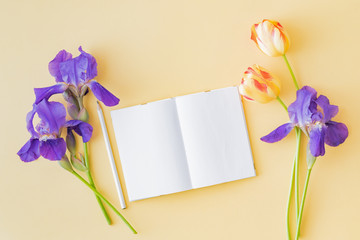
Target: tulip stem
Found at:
91, 182
291, 72
302, 204
282, 103
105, 200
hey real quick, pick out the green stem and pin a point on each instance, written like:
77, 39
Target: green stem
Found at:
294, 181
105, 200
289, 200
282, 103
302, 204
91, 182
297, 156
291, 72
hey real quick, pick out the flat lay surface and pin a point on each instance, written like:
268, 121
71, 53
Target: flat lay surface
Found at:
153, 50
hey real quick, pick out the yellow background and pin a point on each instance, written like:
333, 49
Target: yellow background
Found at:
150, 50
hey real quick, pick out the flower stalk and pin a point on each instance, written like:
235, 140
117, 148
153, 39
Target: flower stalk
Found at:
291, 72
308, 173
91, 182
104, 199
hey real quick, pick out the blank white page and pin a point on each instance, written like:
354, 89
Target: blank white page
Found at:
215, 137
151, 149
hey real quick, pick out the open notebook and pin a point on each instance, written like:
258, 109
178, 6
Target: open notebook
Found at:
183, 143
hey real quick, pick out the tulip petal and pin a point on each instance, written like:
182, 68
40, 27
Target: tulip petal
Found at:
53, 149
103, 94
278, 134
336, 133
30, 151
82, 128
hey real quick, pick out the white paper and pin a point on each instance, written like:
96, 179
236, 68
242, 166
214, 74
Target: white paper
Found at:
182, 143
151, 149
215, 137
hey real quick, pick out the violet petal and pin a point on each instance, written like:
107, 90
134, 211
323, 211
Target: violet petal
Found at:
29, 122
53, 149
47, 92
54, 67
329, 111
91, 71
103, 94
30, 151
73, 71
316, 142
278, 134
301, 110
52, 114
83, 129
336, 133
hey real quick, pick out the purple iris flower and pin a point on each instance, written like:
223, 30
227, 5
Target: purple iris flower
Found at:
313, 115
76, 75
45, 137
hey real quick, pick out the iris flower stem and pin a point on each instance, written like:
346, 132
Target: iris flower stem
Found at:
91, 182
105, 200
302, 204
289, 201
297, 156
294, 181
291, 72
282, 103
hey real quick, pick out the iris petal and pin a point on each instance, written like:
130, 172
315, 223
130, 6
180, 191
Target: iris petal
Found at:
316, 142
53, 149
73, 71
30, 151
47, 92
82, 128
91, 71
54, 67
336, 133
53, 114
278, 134
329, 111
29, 122
301, 110
103, 94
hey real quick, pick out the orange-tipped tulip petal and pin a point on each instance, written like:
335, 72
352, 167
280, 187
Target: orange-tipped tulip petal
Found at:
270, 37
259, 85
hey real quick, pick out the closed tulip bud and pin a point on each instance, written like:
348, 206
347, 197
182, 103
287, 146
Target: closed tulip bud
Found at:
270, 37
259, 85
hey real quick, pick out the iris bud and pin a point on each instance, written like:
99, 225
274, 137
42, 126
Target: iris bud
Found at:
73, 110
70, 142
69, 97
84, 90
259, 85
270, 37
78, 164
83, 115
64, 163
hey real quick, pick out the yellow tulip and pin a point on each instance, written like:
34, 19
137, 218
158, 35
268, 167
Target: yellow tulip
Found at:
270, 37
259, 85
